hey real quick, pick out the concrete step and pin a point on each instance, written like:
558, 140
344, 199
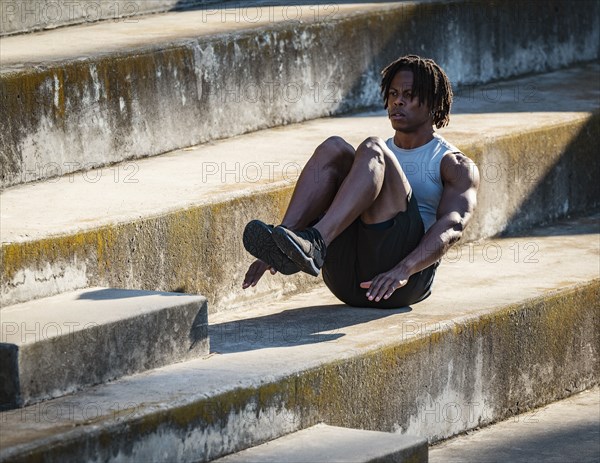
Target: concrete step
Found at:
326, 444
58, 345
512, 325
568, 430
174, 222
22, 16
91, 95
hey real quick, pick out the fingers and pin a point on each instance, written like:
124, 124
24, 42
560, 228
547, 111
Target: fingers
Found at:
254, 273
366, 284
383, 286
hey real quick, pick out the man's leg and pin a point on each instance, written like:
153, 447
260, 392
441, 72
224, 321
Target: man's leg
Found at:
315, 189
375, 189
319, 182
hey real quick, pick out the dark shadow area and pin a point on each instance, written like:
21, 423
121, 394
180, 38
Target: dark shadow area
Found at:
570, 188
562, 91
580, 443
199, 331
10, 389
294, 327
585, 223
187, 5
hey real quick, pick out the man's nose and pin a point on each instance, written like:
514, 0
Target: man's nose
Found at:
398, 101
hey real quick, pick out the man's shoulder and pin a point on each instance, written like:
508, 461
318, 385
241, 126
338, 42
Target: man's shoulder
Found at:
444, 146
456, 166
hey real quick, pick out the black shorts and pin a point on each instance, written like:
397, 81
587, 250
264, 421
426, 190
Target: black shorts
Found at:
360, 253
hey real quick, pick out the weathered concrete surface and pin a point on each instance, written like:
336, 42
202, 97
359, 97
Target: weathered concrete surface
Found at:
504, 332
86, 96
54, 346
174, 222
19, 16
326, 444
568, 430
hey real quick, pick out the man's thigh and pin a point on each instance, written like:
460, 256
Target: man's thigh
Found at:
392, 197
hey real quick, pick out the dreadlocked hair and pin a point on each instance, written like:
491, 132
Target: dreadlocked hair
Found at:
430, 85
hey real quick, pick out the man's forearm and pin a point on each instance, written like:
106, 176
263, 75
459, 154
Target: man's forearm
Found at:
434, 244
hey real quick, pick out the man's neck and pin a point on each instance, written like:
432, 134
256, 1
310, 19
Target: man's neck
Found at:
412, 140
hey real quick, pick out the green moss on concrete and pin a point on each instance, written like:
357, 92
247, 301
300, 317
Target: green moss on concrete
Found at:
19, 256
195, 250
55, 99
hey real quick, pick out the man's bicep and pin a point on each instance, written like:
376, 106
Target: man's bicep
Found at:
461, 180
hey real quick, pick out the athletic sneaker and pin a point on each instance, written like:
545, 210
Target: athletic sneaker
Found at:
258, 241
306, 248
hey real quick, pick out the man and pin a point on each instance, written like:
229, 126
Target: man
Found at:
378, 219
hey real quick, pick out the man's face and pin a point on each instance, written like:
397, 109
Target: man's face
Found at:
404, 110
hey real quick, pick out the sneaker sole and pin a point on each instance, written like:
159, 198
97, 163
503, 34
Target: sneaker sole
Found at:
258, 241
294, 252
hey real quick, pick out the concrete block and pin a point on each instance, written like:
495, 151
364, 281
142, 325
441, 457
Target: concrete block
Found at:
175, 222
58, 345
84, 97
497, 337
325, 444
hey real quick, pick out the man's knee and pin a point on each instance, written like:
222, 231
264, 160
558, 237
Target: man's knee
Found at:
336, 144
372, 146
376, 147
336, 150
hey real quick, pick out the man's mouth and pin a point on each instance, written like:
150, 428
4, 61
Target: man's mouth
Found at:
397, 115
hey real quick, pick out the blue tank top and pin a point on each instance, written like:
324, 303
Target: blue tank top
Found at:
422, 168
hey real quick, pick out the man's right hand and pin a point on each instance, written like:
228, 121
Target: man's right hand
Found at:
255, 272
